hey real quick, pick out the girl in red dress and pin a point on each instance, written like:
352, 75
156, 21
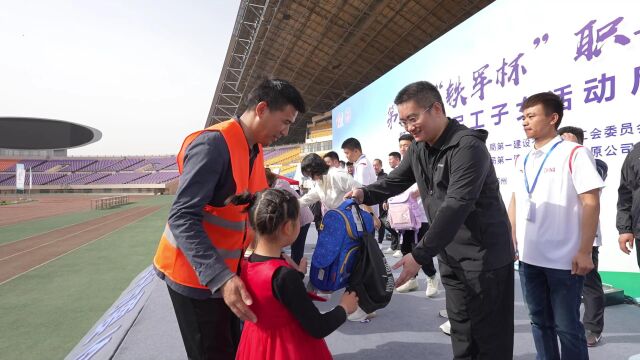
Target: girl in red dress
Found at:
289, 326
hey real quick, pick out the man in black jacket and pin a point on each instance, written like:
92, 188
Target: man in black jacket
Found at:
469, 231
628, 218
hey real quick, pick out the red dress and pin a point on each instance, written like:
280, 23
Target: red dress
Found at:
277, 335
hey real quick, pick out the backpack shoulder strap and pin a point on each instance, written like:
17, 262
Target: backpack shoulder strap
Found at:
573, 151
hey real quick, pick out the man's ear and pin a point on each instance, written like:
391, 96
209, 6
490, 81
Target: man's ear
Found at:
261, 107
554, 118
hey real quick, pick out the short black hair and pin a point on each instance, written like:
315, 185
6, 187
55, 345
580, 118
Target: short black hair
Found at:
352, 144
312, 165
333, 155
424, 93
349, 163
396, 155
271, 177
378, 160
407, 137
342, 163
579, 133
277, 94
551, 103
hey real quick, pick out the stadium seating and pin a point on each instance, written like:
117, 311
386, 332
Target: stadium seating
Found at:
156, 178
92, 171
141, 170
286, 157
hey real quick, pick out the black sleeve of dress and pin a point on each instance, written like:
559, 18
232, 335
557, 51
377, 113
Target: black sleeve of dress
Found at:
289, 289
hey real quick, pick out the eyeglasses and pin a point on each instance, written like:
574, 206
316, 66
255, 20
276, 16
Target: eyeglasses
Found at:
412, 119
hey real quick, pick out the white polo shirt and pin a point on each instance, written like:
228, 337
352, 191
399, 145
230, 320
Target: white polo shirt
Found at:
548, 221
330, 190
364, 173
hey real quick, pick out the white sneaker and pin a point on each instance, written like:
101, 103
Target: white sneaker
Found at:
446, 328
388, 251
410, 285
397, 254
360, 315
432, 286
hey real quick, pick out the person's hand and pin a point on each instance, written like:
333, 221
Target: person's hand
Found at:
302, 267
349, 302
376, 222
237, 298
410, 268
581, 264
357, 194
625, 241
385, 206
516, 255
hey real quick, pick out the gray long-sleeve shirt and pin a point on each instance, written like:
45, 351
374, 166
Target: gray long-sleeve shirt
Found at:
207, 178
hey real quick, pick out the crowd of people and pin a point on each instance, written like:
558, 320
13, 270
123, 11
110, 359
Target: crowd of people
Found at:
442, 198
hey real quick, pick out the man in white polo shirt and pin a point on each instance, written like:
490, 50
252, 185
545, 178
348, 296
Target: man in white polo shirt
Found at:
363, 171
554, 212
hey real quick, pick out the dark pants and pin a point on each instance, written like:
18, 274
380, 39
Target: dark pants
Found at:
297, 248
480, 309
637, 250
553, 299
385, 226
409, 242
593, 298
208, 327
316, 210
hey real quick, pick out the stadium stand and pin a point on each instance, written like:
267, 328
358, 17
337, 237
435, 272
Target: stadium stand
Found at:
123, 174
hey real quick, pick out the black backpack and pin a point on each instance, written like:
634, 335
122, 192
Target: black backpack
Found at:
371, 278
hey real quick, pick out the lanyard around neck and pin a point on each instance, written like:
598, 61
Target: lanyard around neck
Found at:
535, 180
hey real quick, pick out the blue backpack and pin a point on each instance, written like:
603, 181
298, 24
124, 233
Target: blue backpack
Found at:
338, 246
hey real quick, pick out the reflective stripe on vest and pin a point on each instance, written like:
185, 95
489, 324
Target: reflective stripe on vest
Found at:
226, 227
218, 221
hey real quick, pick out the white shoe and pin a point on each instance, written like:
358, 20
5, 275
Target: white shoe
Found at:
432, 286
324, 294
410, 285
446, 328
360, 315
397, 254
388, 251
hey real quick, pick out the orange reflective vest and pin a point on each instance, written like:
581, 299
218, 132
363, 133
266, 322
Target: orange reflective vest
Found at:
227, 226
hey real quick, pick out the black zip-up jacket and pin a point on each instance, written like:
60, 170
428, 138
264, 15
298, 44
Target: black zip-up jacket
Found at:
469, 224
628, 217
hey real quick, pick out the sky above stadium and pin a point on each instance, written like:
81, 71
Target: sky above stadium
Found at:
142, 72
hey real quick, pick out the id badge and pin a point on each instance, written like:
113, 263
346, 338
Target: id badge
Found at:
531, 214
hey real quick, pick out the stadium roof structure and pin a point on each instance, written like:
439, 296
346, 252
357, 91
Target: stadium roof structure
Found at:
25, 133
329, 49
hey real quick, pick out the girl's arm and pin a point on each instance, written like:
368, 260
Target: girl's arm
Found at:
289, 289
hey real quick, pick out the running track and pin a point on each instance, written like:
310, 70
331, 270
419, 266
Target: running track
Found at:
21, 256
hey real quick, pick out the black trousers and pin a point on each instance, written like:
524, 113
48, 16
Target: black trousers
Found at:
316, 210
480, 309
593, 298
297, 248
409, 242
209, 329
638, 250
385, 226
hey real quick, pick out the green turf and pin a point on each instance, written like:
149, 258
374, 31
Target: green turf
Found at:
23, 230
46, 311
